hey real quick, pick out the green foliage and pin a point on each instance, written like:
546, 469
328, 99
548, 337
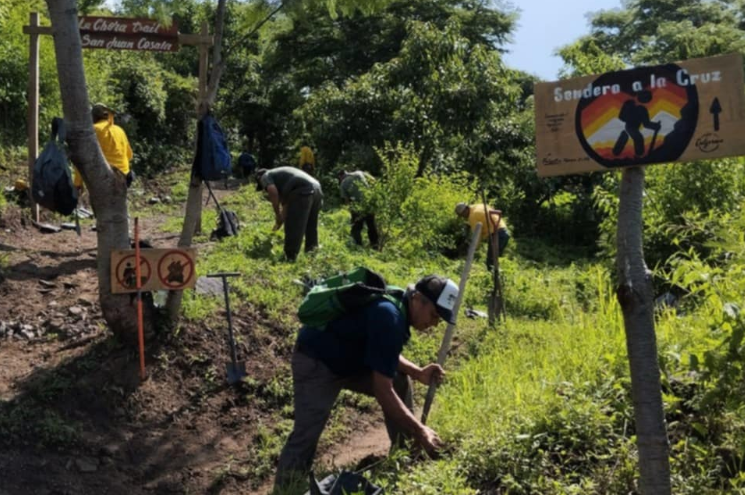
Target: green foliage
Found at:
14, 60
421, 208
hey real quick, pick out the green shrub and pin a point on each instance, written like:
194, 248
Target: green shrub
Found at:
415, 214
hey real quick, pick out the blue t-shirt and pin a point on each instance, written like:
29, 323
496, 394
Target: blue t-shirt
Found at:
369, 339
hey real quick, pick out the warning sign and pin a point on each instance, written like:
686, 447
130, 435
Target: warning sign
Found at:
169, 269
176, 270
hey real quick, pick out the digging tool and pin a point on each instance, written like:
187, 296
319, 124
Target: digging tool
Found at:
140, 329
496, 302
236, 371
450, 330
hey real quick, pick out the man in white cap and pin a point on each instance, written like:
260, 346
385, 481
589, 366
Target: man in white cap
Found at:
361, 351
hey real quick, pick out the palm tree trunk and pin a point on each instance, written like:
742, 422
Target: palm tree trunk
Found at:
636, 299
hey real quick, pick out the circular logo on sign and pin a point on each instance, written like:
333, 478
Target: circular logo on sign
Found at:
126, 272
638, 117
175, 269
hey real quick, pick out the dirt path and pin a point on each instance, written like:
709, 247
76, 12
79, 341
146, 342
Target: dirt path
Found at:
79, 420
371, 441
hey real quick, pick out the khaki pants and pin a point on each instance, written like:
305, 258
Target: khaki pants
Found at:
316, 389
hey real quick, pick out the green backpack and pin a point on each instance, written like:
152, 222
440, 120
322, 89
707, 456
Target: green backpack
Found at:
345, 293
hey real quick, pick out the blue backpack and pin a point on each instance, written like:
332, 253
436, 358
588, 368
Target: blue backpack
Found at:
212, 161
52, 182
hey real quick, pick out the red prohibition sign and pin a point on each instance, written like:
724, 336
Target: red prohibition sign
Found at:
127, 278
179, 270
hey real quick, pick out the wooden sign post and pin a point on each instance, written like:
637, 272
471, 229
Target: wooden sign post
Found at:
685, 111
110, 33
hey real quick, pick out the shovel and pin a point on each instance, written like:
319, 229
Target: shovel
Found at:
236, 370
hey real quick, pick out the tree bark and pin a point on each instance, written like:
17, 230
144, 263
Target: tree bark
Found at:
636, 299
107, 188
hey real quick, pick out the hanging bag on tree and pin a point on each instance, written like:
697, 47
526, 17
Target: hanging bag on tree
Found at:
52, 185
346, 293
212, 161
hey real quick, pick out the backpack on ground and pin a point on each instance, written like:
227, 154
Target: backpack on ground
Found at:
346, 482
52, 185
345, 293
227, 221
212, 161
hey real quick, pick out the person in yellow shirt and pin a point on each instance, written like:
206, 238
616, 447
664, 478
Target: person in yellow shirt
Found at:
113, 141
307, 162
476, 213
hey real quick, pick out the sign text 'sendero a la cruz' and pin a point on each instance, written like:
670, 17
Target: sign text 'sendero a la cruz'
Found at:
677, 112
115, 33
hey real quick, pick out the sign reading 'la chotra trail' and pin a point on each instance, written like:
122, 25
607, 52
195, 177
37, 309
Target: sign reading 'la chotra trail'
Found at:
116, 33
678, 112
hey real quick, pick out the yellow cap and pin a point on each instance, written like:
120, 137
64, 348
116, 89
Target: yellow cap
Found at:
21, 185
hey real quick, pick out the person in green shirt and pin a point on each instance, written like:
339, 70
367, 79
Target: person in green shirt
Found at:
296, 198
352, 186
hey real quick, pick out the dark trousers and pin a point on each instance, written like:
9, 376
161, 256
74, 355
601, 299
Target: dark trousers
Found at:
315, 389
302, 221
502, 238
358, 221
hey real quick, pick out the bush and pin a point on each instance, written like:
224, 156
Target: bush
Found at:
415, 215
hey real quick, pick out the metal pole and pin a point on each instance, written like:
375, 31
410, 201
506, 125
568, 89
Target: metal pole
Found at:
447, 339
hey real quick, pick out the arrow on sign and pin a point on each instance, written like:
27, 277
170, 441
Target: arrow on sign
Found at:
715, 110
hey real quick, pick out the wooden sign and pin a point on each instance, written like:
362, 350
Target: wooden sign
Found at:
679, 112
160, 269
116, 33
125, 26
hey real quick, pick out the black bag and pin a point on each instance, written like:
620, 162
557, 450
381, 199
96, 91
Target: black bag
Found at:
227, 225
227, 220
52, 184
346, 482
212, 161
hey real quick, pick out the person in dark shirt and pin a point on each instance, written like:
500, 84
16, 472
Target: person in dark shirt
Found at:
361, 351
296, 198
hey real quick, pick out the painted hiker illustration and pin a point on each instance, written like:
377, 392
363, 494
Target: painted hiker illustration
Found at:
635, 116
130, 276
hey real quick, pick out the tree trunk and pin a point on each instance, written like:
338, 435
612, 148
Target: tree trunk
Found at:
635, 297
193, 214
108, 189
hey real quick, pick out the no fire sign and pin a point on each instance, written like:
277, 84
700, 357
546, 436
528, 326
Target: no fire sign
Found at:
169, 269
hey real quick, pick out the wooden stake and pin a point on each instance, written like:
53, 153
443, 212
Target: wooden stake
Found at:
33, 109
450, 330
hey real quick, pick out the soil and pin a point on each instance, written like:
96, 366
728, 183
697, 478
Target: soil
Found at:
74, 415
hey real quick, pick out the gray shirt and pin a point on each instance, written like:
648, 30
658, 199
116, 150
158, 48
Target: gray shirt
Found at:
290, 181
353, 184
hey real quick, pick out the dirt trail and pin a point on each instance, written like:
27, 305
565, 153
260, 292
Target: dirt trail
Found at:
371, 441
175, 433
